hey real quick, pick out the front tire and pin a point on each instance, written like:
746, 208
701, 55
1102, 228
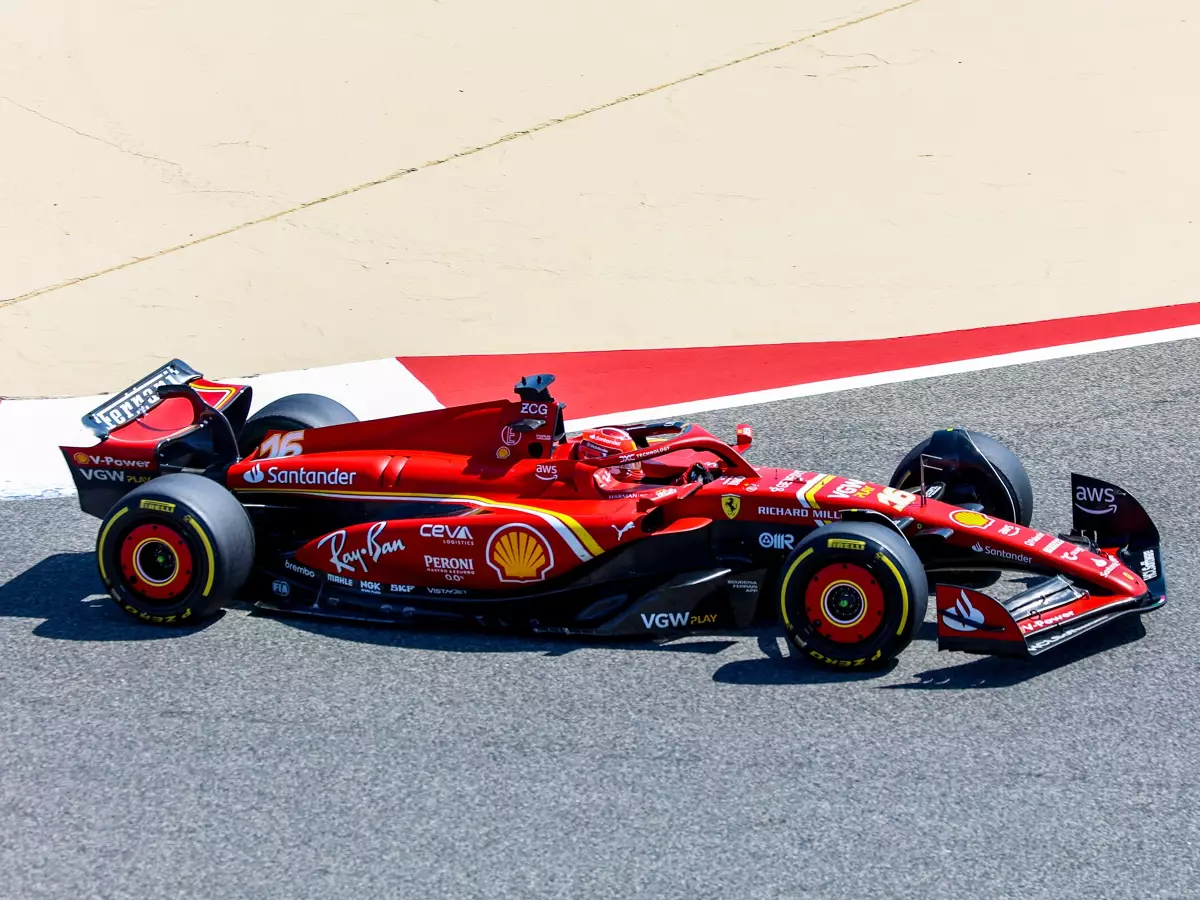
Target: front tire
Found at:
176, 550
1001, 486
852, 595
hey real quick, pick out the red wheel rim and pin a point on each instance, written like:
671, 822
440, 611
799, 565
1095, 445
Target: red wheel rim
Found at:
844, 603
156, 562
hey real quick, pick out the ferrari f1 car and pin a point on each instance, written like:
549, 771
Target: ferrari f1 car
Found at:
489, 515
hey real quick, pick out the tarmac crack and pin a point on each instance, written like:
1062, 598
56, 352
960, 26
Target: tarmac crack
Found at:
401, 173
91, 137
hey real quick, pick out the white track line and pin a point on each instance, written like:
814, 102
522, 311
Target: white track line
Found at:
916, 373
31, 465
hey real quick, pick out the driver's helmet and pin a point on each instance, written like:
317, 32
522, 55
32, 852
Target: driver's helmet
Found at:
596, 443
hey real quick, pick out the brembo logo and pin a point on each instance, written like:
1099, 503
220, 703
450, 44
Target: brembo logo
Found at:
301, 476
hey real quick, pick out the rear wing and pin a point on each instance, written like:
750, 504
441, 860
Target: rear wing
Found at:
172, 420
137, 399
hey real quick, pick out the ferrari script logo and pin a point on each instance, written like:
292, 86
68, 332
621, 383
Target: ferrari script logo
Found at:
731, 504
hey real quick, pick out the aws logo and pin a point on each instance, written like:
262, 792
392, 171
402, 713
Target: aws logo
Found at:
519, 553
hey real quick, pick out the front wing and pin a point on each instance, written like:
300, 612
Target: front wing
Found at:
1044, 616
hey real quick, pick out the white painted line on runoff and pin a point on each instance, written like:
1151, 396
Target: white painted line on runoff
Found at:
31, 431
812, 388
31, 466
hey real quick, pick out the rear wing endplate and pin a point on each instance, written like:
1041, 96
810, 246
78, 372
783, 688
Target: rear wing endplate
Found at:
137, 399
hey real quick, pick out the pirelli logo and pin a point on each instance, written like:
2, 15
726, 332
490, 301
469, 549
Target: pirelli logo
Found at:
158, 506
845, 544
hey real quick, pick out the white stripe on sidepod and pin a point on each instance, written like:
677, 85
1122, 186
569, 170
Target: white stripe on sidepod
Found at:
560, 527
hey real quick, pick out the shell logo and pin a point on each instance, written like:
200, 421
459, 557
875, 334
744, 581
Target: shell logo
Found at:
519, 553
81, 458
968, 518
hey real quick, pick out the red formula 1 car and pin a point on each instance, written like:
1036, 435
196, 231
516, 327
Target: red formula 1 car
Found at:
490, 515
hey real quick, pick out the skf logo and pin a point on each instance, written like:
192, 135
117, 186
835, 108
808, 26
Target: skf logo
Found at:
731, 505
254, 476
520, 553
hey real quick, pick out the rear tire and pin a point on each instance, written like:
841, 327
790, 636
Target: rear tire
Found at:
852, 595
295, 412
175, 551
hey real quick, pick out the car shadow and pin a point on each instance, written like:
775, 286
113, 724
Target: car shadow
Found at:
777, 667
65, 592
451, 639
1000, 672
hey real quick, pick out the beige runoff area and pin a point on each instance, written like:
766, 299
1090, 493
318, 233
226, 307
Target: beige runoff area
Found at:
945, 164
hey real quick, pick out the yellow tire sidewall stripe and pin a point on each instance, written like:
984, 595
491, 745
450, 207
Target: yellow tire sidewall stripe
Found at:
104, 537
783, 589
208, 551
903, 590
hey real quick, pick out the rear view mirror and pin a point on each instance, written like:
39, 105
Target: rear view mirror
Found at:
745, 437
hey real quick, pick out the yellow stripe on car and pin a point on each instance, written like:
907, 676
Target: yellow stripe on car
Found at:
811, 493
577, 537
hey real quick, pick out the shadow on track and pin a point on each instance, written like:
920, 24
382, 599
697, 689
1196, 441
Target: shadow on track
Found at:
970, 672
465, 640
995, 672
65, 591
778, 668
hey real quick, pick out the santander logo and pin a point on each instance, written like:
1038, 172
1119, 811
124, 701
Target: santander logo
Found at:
254, 476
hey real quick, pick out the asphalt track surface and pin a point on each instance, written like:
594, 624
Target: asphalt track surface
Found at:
267, 758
